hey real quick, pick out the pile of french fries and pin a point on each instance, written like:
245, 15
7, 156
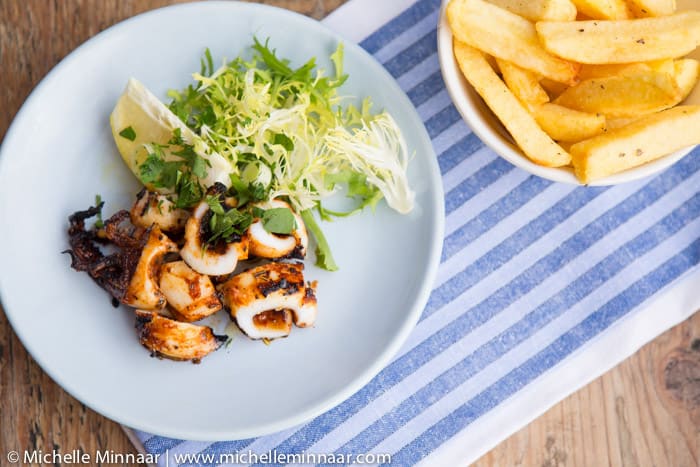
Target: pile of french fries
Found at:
590, 83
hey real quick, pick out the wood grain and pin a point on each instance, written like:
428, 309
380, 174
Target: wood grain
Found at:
644, 412
35, 413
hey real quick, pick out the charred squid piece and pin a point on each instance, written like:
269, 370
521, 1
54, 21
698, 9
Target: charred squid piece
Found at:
264, 244
153, 208
143, 291
191, 295
83, 250
167, 338
112, 272
220, 258
264, 301
122, 233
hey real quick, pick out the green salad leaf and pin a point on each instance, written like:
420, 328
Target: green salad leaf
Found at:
287, 134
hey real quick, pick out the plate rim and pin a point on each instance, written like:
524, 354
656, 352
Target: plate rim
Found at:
361, 379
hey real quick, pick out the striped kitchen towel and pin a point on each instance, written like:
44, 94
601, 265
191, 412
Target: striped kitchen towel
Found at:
542, 286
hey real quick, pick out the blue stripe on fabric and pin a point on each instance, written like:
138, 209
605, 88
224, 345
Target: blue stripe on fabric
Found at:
495, 213
426, 89
442, 121
570, 249
412, 55
473, 185
405, 365
567, 343
159, 444
509, 248
398, 25
459, 151
576, 291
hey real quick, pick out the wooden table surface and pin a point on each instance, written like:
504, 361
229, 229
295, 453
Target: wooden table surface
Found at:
644, 412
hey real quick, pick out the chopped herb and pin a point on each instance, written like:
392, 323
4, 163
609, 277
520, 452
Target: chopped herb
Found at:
181, 175
225, 224
128, 133
247, 192
279, 221
257, 212
99, 223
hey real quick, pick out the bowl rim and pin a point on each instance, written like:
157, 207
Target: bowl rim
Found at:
463, 99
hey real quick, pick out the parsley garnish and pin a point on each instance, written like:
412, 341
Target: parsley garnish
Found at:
99, 223
128, 133
181, 175
279, 221
225, 224
246, 192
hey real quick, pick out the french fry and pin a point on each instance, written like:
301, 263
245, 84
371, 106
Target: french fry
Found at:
534, 142
523, 83
616, 123
505, 35
623, 96
625, 69
603, 9
622, 41
603, 71
568, 125
664, 66
650, 8
686, 73
553, 88
640, 142
540, 10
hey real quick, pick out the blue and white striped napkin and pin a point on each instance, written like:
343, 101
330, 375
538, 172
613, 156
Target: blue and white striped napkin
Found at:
542, 286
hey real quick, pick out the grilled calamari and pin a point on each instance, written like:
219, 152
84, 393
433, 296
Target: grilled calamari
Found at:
264, 244
153, 208
168, 338
191, 295
218, 259
264, 301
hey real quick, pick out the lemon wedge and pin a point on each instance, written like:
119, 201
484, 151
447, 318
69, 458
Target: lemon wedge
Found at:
140, 119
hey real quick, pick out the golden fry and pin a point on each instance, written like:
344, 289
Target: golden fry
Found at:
650, 8
553, 88
623, 96
617, 123
506, 35
623, 41
568, 125
686, 73
640, 142
604, 71
603, 9
540, 10
523, 83
534, 142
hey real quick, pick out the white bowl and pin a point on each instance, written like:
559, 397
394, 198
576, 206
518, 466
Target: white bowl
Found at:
487, 127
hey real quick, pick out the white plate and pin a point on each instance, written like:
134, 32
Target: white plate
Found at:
59, 153
485, 124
